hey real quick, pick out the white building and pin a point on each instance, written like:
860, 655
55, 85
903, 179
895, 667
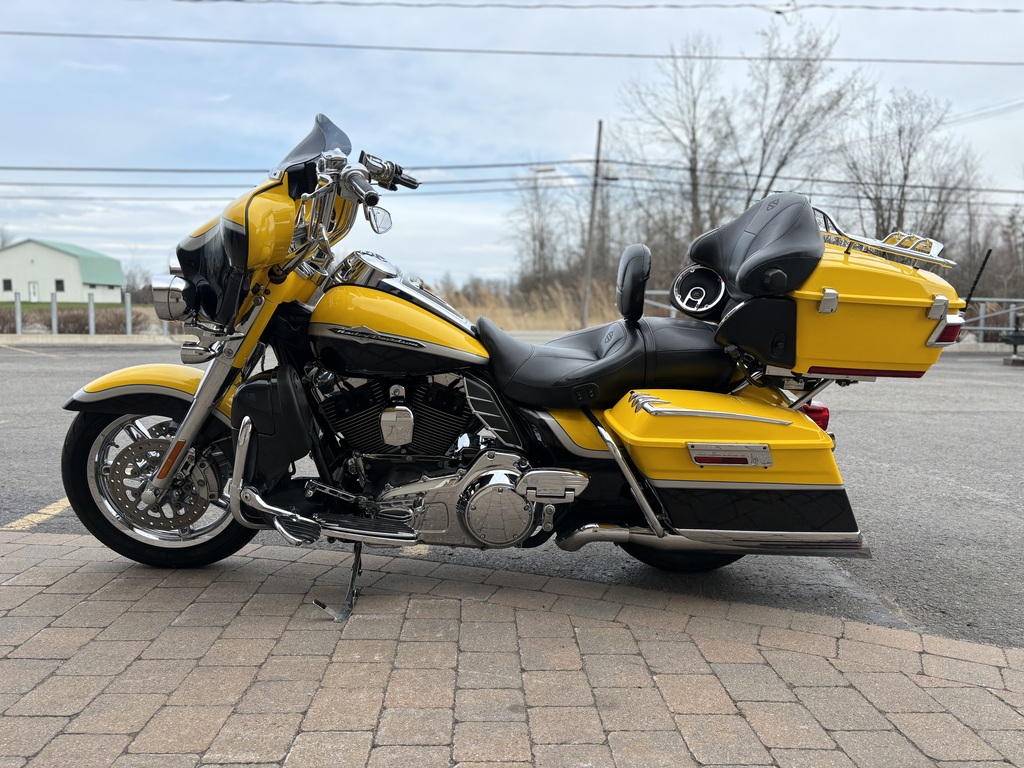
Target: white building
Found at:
38, 268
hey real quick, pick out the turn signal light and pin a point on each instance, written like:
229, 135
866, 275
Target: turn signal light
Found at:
816, 412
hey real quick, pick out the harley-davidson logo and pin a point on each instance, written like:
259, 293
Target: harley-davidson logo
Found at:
367, 335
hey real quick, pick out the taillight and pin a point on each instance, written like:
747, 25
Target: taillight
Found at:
946, 332
816, 412
949, 334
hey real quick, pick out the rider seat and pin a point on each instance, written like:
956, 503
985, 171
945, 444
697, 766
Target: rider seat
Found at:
597, 366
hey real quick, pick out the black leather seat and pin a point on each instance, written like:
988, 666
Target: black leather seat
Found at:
597, 366
768, 250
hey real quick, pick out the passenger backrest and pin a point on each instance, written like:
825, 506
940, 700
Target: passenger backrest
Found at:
634, 269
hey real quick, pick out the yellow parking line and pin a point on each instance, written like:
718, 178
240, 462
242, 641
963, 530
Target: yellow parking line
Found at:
28, 351
33, 519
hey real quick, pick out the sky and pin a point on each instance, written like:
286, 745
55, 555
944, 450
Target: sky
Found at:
85, 105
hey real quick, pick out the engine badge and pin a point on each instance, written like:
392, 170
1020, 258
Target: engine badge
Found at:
396, 425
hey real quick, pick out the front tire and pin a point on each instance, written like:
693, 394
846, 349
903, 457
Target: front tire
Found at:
679, 562
105, 463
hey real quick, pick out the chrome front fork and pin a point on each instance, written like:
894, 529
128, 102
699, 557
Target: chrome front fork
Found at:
212, 386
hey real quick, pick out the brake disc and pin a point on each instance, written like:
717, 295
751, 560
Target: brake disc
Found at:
185, 502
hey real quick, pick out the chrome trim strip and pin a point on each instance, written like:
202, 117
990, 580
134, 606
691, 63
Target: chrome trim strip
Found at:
364, 335
642, 400
704, 485
402, 286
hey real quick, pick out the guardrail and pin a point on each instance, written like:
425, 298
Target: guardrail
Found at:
990, 318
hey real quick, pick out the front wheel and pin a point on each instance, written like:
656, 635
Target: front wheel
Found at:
106, 462
679, 562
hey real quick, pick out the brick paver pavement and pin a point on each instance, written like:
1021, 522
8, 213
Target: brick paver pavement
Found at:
107, 663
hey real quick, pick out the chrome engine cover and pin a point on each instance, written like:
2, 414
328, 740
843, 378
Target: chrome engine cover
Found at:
493, 513
476, 507
499, 501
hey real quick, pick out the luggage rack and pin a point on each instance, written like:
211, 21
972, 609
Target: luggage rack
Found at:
898, 244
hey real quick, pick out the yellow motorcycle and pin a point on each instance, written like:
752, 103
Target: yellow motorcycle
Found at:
689, 442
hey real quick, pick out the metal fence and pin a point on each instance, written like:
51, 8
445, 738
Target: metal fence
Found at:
55, 314
990, 318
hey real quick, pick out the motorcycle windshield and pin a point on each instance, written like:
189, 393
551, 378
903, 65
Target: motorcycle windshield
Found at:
324, 136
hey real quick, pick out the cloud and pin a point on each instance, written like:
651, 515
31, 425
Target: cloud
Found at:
144, 104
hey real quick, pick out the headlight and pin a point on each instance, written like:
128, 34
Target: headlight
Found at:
173, 297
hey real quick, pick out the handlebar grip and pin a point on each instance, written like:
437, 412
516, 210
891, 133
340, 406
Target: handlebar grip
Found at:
362, 189
405, 180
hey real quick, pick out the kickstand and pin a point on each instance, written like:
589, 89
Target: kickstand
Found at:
342, 613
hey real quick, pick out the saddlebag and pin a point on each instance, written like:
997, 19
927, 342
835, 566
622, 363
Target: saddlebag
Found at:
733, 463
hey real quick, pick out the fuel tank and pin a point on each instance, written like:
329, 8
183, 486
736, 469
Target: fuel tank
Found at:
361, 330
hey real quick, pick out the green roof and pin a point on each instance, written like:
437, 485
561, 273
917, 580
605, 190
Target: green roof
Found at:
97, 269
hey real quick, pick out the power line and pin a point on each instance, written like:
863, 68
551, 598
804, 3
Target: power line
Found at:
554, 181
507, 51
650, 183
811, 179
776, 9
123, 169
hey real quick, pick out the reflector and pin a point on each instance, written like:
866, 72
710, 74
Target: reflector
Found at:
818, 413
838, 373
721, 460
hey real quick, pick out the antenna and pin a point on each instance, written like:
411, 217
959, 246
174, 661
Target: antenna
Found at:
984, 263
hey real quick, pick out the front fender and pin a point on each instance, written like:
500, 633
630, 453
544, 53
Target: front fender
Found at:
107, 393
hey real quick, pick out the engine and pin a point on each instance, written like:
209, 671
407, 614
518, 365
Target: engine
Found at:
426, 456
421, 416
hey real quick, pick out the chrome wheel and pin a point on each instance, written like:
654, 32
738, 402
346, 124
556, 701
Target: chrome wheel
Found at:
125, 455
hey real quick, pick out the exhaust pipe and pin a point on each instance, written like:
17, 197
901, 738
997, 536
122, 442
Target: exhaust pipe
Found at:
740, 542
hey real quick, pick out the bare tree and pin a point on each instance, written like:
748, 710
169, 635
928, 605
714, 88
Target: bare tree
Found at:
684, 116
790, 109
4, 237
907, 173
1012, 273
138, 283
550, 232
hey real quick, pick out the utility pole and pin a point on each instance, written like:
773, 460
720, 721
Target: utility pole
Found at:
588, 256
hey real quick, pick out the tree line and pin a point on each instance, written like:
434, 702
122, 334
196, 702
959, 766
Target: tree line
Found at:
690, 155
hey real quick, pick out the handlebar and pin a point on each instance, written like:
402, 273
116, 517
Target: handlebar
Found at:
386, 173
360, 187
